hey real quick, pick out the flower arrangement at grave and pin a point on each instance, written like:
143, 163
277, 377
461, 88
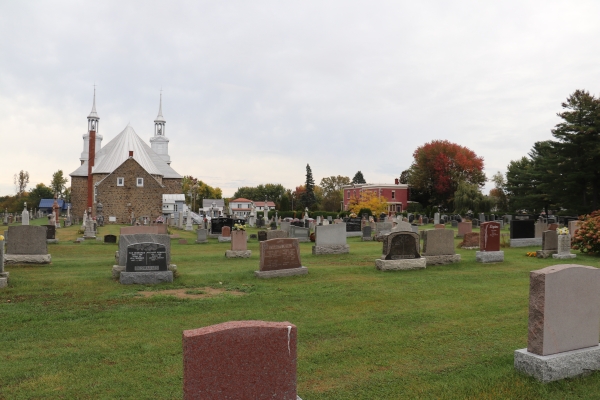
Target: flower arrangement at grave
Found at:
562, 231
587, 237
1, 238
239, 227
531, 254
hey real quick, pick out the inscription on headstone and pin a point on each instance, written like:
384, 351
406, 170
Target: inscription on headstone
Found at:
278, 254
145, 257
401, 245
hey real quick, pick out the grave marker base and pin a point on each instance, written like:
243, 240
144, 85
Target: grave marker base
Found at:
545, 253
401, 265
332, 249
201, 241
564, 256
558, 366
525, 242
489, 256
442, 260
367, 238
281, 272
223, 239
3, 282
145, 278
52, 241
238, 253
117, 269
27, 259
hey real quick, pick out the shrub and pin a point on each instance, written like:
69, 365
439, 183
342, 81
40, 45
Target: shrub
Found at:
587, 237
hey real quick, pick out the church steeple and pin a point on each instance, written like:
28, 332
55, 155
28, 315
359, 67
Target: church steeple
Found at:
160, 143
93, 120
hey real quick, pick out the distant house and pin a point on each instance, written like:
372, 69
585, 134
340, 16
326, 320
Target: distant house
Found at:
396, 194
213, 207
241, 207
46, 205
260, 205
172, 204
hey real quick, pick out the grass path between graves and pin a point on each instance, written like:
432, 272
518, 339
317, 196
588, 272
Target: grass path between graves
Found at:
67, 330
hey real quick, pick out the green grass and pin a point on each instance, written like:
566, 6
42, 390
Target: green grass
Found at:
67, 330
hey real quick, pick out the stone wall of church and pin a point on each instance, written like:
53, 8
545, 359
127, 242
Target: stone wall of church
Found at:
78, 196
173, 186
121, 201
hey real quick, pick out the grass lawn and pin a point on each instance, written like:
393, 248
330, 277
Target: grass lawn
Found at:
68, 330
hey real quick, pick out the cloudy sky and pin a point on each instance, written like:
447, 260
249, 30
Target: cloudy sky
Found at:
255, 90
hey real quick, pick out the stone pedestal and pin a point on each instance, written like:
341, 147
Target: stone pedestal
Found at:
238, 253
118, 269
525, 242
442, 260
367, 238
145, 278
281, 272
400, 265
489, 256
545, 253
224, 239
27, 259
564, 248
331, 249
554, 367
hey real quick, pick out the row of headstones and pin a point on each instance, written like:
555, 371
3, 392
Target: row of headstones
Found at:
563, 326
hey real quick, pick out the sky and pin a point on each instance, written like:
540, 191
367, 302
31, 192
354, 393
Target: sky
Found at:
253, 91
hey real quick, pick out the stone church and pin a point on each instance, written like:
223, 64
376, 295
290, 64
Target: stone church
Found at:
126, 176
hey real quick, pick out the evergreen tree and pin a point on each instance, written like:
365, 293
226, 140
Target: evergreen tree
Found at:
358, 178
308, 197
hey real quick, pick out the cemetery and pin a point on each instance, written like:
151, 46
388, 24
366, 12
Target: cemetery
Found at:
171, 318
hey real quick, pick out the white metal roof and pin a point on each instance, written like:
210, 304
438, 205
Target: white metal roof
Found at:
171, 198
117, 151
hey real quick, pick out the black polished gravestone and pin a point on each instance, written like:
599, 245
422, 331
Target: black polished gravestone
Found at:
400, 246
50, 231
262, 236
352, 224
522, 229
110, 239
146, 257
217, 224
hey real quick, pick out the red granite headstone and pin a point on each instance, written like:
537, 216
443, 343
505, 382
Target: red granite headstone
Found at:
489, 236
552, 227
278, 254
471, 239
182, 241
226, 231
464, 227
439, 226
240, 360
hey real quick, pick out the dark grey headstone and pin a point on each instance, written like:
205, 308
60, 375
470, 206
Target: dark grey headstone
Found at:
438, 242
50, 231
262, 236
127, 240
110, 239
146, 257
366, 231
27, 239
549, 240
401, 245
522, 229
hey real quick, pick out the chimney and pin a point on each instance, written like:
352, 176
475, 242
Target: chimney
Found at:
130, 153
397, 181
91, 157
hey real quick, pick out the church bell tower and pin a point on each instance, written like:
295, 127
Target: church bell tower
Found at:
159, 142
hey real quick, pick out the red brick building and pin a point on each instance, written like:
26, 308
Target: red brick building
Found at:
395, 194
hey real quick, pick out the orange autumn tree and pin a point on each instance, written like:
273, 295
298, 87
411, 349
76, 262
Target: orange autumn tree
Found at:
368, 199
438, 167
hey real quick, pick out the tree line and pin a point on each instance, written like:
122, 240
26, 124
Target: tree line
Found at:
40, 191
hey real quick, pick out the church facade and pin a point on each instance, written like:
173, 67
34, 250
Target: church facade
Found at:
126, 176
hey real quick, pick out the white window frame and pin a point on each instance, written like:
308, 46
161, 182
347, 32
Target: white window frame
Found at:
139, 182
120, 181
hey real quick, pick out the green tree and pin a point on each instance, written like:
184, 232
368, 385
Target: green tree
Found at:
498, 193
58, 183
332, 192
468, 197
358, 178
38, 193
578, 152
308, 198
199, 191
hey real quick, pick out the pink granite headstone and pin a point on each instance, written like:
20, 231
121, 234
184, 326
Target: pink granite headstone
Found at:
564, 309
239, 241
226, 231
439, 226
552, 227
489, 236
241, 360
